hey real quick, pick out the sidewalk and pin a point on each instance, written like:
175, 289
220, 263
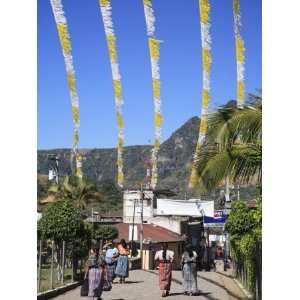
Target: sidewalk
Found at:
144, 285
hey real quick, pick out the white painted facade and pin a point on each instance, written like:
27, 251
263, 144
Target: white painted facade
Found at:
169, 214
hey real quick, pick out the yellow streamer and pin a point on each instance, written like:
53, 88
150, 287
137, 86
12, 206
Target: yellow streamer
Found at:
204, 11
236, 6
157, 143
205, 98
206, 59
64, 37
240, 90
154, 48
203, 126
111, 43
206, 67
120, 177
240, 49
117, 89
158, 119
120, 121
104, 2
156, 88
147, 2
75, 113
71, 82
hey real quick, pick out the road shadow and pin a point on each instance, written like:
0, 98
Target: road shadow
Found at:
228, 276
175, 294
221, 286
130, 282
206, 295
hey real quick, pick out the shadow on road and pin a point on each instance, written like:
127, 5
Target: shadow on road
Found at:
221, 286
206, 295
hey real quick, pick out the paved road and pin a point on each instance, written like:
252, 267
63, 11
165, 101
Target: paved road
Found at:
144, 285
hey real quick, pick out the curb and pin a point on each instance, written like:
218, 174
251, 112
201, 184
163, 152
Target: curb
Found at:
247, 293
58, 291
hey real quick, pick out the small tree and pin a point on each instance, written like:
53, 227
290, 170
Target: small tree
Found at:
106, 232
61, 221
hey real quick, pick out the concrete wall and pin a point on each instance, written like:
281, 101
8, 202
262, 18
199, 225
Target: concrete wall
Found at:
129, 197
168, 222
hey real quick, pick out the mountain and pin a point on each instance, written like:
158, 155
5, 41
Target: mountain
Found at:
100, 164
174, 162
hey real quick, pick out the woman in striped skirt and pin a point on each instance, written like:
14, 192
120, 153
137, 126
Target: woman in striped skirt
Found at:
165, 258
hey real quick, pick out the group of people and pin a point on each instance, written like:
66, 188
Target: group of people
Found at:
165, 258
102, 268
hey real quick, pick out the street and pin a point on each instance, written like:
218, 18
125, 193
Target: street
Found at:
144, 285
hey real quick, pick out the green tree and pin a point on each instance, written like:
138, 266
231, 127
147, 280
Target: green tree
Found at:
61, 221
79, 191
106, 232
244, 227
233, 145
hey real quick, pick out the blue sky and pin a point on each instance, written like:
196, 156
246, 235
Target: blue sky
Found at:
178, 25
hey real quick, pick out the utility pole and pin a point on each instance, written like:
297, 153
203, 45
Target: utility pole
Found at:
132, 229
142, 224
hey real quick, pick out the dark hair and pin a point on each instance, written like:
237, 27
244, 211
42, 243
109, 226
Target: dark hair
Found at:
165, 247
123, 243
189, 250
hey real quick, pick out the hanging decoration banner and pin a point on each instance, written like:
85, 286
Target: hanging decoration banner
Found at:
240, 55
64, 37
206, 66
154, 49
105, 7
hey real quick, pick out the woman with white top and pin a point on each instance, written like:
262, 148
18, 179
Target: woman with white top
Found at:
189, 271
165, 258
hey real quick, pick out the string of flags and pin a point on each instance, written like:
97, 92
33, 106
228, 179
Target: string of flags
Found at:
105, 7
240, 54
206, 67
64, 37
154, 49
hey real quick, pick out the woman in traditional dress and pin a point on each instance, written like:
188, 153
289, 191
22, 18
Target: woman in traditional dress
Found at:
111, 256
122, 268
189, 271
165, 258
94, 270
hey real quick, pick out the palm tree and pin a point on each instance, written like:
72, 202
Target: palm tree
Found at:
233, 146
77, 190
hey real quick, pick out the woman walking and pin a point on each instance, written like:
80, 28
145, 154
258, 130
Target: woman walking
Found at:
189, 271
111, 257
165, 258
94, 271
122, 268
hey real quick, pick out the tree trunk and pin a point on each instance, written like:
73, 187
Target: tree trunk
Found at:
75, 266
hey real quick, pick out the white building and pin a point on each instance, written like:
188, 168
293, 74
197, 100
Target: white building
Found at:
167, 213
